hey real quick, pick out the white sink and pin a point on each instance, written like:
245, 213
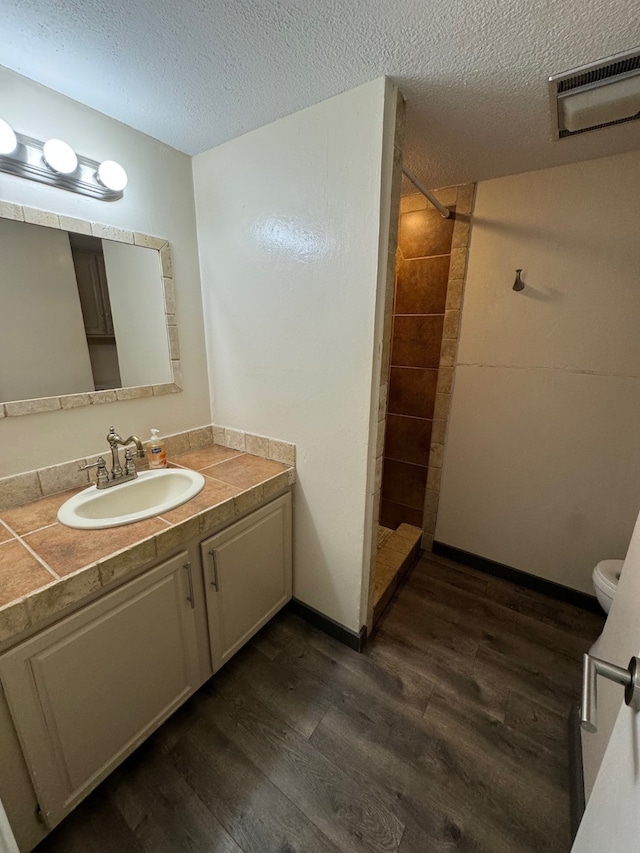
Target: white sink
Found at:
151, 493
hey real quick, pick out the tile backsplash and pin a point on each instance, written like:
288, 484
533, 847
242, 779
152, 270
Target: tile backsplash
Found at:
32, 485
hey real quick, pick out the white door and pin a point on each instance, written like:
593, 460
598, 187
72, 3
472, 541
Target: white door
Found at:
611, 822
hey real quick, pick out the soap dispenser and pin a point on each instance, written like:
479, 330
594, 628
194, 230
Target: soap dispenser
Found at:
156, 451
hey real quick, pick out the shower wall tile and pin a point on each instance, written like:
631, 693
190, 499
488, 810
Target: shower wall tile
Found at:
455, 287
458, 264
433, 478
438, 431
451, 324
408, 439
412, 391
445, 380
441, 409
466, 198
461, 228
448, 353
425, 232
393, 514
421, 286
404, 483
447, 196
417, 340
431, 501
436, 455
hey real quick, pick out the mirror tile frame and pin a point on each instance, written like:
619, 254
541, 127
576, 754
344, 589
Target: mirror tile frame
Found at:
35, 216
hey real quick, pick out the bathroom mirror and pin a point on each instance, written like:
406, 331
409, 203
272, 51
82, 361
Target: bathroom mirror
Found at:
87, 316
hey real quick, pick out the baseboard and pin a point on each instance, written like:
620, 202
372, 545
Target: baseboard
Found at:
499, 570
577, 801
329, 626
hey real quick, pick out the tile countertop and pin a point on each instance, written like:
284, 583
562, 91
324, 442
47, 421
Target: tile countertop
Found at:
45, 566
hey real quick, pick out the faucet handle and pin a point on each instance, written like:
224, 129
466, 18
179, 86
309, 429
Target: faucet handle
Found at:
100, 464
129, 464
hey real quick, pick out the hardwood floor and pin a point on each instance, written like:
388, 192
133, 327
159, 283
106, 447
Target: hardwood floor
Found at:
447, 734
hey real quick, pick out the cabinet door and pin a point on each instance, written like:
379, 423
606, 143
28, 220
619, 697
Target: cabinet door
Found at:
87, 691
247, 576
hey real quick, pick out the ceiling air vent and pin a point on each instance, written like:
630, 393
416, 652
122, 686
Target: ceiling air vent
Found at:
598, 95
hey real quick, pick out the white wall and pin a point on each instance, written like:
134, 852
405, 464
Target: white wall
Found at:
43, 347
288, 229
159, 201
542, 465
137, 303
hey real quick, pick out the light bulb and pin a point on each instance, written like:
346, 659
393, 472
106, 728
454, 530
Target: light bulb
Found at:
8, 141
60, 157
112, 176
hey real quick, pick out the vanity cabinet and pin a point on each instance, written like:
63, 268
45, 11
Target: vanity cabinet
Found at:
247, 572
86, 692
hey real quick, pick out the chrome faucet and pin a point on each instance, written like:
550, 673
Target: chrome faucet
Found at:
117, 474
116, 469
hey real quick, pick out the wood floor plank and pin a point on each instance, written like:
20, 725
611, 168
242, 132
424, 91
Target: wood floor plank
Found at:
354, 818
302, 699
96, 826
357, 689
536, 659
438, 786
485, 612
390, 648
547, 610
254, 812
401, 684
162, 811
457, 577
547, 728
437, 636
539, 685
276, 635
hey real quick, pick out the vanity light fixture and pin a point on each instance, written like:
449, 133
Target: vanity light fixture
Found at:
55, 163
112, 176
60, 156
8, 139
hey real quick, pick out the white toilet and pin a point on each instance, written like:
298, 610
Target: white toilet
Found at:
605, 581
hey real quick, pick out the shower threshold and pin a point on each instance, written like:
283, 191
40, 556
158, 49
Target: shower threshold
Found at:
397, 552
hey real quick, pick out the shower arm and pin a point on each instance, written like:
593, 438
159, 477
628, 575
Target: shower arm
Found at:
444, 211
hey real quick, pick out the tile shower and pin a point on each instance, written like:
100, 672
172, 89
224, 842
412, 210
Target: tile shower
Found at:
429, 281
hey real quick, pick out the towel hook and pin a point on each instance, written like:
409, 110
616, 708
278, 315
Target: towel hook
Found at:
518, 284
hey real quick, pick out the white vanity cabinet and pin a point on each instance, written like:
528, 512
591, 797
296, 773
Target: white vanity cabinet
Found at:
87, 691
247, 575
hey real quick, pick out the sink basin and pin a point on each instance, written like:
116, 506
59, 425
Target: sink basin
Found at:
151, 493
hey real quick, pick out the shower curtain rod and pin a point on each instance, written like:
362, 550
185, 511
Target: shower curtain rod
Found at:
444, 211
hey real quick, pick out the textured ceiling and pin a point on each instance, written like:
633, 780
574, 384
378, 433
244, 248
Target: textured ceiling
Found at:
195, 73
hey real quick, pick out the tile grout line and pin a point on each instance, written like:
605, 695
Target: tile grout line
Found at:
8, 529
32, 552
213, 464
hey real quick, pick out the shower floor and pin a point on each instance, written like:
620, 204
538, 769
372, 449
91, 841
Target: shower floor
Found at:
397, 551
